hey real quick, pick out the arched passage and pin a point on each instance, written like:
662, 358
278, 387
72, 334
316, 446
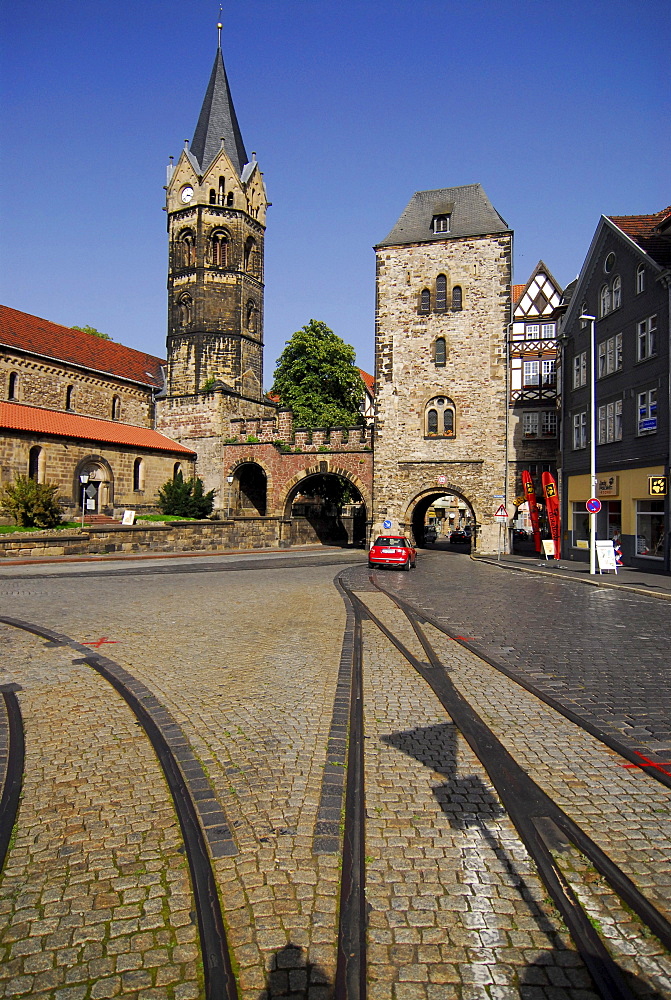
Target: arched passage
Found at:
447, 510
250, 489
332, 507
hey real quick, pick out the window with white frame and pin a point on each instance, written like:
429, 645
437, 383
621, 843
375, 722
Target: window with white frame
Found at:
441, 224
531, 331
530, 424
531, 373
647, 338
547, 331
609, 355
609, 425
549, 371
640, 279
580, 522
580, 370
617, 292
580, 430
604, 300
549, 423
647, 412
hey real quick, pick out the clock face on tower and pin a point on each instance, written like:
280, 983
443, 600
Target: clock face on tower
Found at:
186, 194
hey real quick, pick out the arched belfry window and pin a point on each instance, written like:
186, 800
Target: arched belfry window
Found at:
69, 394
425, 301
250, 255
229, 199
457, 299
213, 196
222, 191
186, 248
219, 248
185, 308
440, 351
116, 407
440, 418
441, 293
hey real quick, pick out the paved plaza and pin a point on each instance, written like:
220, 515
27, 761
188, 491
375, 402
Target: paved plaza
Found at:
244, 658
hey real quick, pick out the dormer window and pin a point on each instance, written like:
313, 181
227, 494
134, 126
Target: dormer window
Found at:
440, 224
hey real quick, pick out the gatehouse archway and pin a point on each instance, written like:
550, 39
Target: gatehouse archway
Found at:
444, 510
248, 494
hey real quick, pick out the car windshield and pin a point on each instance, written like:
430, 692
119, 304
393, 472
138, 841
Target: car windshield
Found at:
399, 543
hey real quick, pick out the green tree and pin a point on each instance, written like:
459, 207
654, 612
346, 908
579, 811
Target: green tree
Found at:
316, 378
185, 499
92, 330
31, 504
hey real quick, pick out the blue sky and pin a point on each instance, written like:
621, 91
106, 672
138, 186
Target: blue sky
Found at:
560, 110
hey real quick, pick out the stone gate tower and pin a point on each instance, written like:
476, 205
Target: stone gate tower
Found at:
216, 204
442, 310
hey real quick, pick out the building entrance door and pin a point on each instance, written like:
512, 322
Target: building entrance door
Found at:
91, 494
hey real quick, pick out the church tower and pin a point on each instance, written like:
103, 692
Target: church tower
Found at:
216, 204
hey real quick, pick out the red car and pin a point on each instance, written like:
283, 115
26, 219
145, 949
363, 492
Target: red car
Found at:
392, 550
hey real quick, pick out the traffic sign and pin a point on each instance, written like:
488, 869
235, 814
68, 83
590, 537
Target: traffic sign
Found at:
593, 505
386, 525
501, 513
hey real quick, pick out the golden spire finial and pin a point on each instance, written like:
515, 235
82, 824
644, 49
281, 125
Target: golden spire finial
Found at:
219, 26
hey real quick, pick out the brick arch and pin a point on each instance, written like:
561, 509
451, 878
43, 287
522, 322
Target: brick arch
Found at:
314, 470
248, 460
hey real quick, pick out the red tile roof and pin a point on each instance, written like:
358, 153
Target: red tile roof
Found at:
368, 381
33, 335
641, 229
34, 420
516, 292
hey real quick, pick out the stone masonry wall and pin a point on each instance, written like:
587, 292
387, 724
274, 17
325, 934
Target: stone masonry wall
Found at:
408, 461
43, 384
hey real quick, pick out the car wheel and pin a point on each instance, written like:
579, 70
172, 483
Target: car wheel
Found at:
370, 565
414, 564
406, 566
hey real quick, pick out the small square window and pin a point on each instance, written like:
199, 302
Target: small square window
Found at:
441, 224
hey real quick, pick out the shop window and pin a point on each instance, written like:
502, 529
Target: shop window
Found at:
650, 528
580, 524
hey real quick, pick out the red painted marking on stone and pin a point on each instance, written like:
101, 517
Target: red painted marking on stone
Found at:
650, 763
465, 638
98, 642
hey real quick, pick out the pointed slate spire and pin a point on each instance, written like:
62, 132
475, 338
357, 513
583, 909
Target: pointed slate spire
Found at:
218, 120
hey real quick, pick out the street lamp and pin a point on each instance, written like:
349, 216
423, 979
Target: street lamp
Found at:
229, 480
83, 480
592, 439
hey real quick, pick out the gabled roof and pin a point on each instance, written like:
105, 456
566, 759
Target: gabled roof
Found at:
368, 381
218, 121
34, 420
540, 296
645, 231
470, 210
23, 332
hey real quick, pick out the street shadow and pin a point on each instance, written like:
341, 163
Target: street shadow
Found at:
291, 975
468, 803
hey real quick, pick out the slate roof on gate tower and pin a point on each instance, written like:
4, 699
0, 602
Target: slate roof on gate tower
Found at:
470, 210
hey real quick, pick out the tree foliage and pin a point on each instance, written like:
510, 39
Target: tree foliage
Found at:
316, 378
31, 504
92, 330
185, 499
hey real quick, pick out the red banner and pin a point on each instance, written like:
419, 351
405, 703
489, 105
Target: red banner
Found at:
552, 508
530, 494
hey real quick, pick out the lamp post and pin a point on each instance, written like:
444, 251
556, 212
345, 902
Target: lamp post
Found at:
83, 480
229, 480
592, 439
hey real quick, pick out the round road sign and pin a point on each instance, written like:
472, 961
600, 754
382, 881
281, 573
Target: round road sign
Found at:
386, 525
593, 505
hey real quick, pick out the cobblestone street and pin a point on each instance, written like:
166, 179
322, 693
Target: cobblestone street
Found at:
243, 662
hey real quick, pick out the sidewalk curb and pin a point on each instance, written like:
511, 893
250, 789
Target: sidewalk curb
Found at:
633, 589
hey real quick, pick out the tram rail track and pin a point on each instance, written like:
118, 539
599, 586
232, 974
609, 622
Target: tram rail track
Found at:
543, 826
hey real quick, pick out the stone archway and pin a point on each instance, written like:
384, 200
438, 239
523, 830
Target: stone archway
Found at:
420, 504
98, 491
248, 494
